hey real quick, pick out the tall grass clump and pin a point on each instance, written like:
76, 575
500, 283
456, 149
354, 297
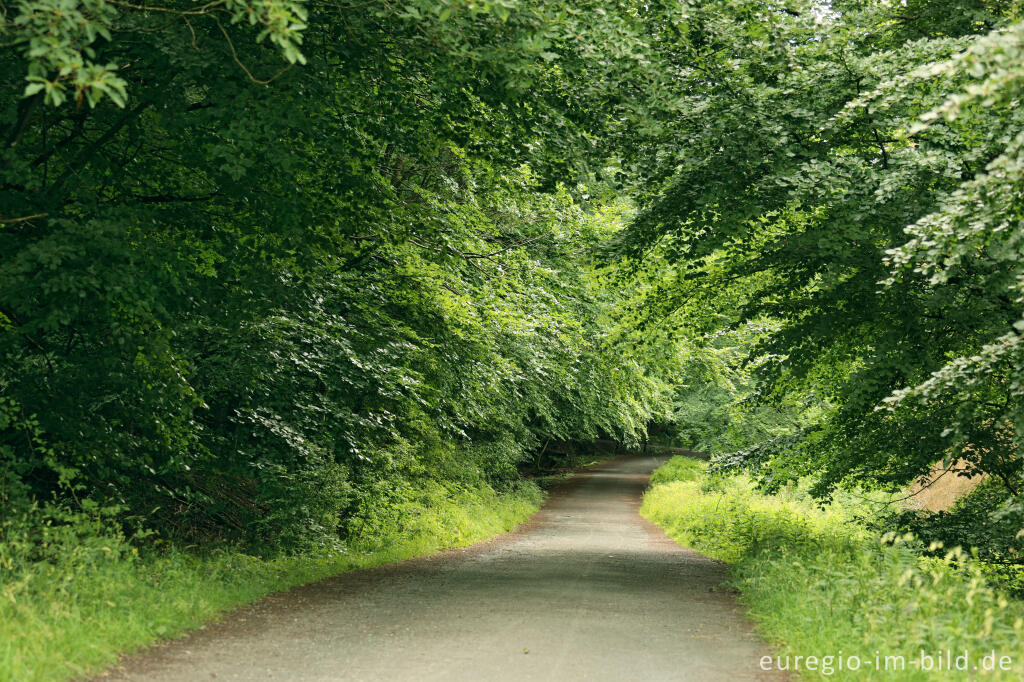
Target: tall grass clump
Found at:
820, 582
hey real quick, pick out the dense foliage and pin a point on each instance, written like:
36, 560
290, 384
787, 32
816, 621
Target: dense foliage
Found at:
838, 188
280, 276
267, 265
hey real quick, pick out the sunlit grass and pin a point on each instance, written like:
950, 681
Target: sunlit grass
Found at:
819, 583
74, 614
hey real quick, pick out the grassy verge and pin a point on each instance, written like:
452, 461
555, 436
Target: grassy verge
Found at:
80, 598
822, 585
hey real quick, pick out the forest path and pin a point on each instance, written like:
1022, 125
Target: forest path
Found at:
587, 590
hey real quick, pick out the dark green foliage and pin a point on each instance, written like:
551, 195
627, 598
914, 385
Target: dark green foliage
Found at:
848, 179
264, 263
240, 300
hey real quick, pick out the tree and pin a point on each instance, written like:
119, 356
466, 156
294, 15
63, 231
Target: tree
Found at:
263, 259
848, 174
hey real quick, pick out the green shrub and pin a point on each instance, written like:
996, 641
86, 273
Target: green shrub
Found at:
981, 520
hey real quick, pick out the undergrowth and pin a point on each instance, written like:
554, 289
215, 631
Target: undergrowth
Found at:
821, 583
73, 595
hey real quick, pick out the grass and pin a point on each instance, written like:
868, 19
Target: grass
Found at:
818, 582
89, 597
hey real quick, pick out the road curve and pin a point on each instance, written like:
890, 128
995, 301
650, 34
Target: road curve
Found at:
587, 590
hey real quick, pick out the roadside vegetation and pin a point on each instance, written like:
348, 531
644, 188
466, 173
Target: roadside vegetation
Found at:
833, 230
821, 580
75, 595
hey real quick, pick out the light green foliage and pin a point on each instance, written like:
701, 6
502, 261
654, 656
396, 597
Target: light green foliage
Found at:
678, 469
728, 518
74, 596
820, 582
718, 405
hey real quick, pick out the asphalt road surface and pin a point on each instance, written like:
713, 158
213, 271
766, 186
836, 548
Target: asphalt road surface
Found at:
587, 590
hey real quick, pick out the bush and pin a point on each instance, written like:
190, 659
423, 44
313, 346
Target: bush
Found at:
679, 469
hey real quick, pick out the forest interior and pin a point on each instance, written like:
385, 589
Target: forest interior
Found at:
295, 287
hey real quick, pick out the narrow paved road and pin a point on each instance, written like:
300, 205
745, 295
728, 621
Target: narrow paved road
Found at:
587, 590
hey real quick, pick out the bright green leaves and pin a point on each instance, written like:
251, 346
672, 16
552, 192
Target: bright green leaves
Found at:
64, 41
280, 21
57, 37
